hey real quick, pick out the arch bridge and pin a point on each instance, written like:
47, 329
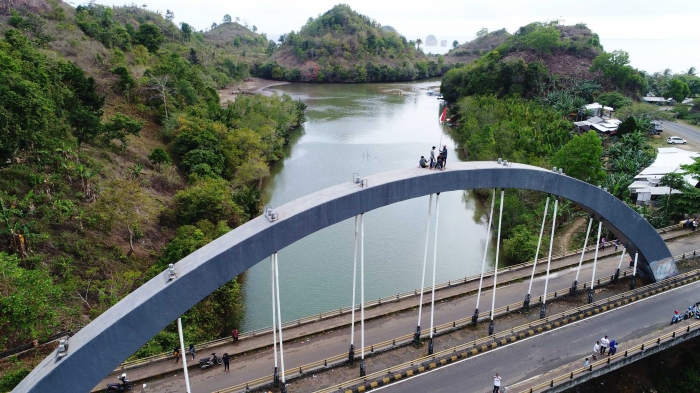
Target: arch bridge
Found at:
102, 345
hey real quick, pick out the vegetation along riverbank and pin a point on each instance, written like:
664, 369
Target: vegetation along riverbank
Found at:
518, 101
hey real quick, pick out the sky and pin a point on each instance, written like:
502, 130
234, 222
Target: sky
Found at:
670, 28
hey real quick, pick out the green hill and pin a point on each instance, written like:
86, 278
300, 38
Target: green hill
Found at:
344, 46
467, 52
116, 158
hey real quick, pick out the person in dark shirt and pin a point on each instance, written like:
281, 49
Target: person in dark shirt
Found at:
444, 156
423, 163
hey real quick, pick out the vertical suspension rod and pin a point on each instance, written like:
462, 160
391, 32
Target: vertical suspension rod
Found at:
354, 286
549, 258
539, 242
279, 318
416, 336
432, 296
583, 252
595, 257
495, 270
362, 292
274, 317
486, 249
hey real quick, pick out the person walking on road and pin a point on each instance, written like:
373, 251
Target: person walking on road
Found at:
444, 156
585, 363
613, 348
604, 342
496, 383
695, 224
176, 354
617, 244
432, 158
192, 350
226, 360
596, 350
234, 334
602, 244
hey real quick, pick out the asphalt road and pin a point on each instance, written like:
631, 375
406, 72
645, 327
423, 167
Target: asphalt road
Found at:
682, 130
529, 358
334, 343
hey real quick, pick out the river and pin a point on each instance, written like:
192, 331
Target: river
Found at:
368, 129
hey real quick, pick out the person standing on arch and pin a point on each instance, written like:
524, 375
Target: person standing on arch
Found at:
444, 156
432, 158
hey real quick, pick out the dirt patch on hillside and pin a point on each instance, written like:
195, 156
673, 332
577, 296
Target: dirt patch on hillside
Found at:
248, 86
560, 64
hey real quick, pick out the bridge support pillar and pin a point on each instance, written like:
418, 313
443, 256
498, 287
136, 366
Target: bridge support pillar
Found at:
362, 368
633, 282
574, 288
475, 317
526, 303
491, 328
276, 378
430, 346
617, 275
543, 310
351, 354
590, 295
416, 336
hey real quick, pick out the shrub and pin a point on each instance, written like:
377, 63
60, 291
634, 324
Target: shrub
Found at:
159, 156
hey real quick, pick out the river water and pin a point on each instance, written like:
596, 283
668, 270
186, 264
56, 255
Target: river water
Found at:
368, 129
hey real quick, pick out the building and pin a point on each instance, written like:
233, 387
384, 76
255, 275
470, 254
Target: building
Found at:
596, 109
645, 188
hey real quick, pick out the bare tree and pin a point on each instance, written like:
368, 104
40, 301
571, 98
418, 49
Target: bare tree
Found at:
160, 84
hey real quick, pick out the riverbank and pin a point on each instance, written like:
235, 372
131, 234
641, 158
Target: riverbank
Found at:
248, 86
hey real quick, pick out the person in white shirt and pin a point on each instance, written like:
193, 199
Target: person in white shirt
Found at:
604, 342
596, 350
496, 383
585, 364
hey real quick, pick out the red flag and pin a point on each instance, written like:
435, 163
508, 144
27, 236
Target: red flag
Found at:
444, 115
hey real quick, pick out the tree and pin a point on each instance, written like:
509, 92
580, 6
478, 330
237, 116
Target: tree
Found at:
482, 32
674, 181
208, 199
213, 26
418, 43
614, 100
238, 19
677, 89
255, 28
580, 158
455, 44
628, 126
169, 15
691, 71
126, 206
227, 18
119, 126
186, 30
283, 37
160, 84
29, 301
192, 57
150, 36
542, 39
159, 156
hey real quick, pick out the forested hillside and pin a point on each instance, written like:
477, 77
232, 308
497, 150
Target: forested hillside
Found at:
344, 46
516, 102
116, 159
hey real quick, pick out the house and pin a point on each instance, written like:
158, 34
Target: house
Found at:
645, 188
658, 100
599, 110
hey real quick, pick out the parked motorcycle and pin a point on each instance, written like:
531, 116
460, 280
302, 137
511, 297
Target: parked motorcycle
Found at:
122, 386
210, 361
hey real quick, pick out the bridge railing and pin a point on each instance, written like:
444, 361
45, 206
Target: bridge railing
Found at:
451, 326
346, 310
610, 359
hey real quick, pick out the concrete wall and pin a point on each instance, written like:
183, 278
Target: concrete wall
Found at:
102, 345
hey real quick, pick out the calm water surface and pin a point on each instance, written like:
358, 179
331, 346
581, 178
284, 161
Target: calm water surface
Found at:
368, 129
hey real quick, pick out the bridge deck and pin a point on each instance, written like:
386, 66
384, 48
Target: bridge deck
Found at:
250, 367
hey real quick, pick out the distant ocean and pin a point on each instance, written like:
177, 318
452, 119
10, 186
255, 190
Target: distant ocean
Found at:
648, 55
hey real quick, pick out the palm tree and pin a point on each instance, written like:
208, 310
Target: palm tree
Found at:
418, 42
691, 71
